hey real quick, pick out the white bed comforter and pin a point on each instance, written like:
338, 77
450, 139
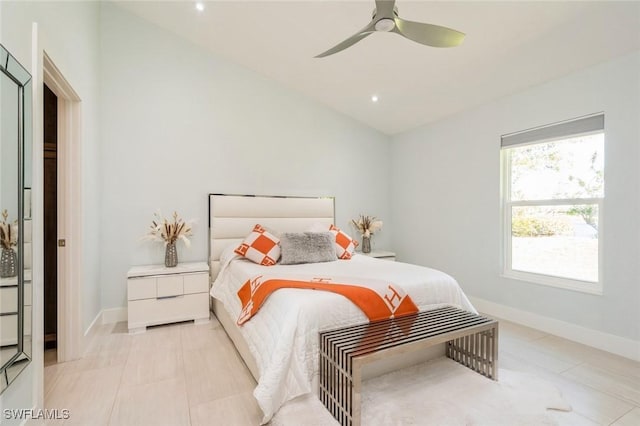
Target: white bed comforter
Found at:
283, 335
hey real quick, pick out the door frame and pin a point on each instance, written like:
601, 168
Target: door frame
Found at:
69, 165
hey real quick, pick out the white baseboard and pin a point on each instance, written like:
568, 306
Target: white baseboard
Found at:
96, 320
107, 316
113, 315
622, 346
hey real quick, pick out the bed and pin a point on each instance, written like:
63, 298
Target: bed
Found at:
280, 343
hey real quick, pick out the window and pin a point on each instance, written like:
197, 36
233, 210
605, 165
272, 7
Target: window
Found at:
552, 193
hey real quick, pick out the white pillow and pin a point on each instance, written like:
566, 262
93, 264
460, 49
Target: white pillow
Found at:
318, 227
228, 254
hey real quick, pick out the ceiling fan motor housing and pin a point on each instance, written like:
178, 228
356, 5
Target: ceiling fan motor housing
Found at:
385, 23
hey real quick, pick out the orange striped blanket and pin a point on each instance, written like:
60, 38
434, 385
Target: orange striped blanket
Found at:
377, 299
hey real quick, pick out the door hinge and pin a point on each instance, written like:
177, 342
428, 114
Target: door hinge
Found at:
62, 243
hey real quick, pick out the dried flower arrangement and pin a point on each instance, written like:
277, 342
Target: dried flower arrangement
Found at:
169, 231
367, 225
8, 231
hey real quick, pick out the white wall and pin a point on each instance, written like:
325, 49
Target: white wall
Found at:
179, 123
69, 34
446, 201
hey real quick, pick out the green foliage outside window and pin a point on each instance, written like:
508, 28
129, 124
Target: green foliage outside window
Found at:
527, 226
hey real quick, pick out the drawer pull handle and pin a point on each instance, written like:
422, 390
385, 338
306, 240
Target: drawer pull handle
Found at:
168, 297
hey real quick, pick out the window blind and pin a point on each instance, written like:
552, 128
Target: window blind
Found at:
578, 126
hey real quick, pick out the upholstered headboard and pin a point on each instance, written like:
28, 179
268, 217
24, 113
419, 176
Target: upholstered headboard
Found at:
232, 217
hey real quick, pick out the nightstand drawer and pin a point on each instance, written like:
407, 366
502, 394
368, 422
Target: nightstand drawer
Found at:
8, 300
161, 311
169, 286
9, 330
196, 283
141, 288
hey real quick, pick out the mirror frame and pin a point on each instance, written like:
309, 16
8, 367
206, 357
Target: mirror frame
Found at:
10, 67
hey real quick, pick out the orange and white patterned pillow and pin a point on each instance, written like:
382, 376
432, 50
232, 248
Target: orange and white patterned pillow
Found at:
345, 245
260, 246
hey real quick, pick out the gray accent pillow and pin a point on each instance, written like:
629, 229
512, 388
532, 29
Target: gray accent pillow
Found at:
307, 247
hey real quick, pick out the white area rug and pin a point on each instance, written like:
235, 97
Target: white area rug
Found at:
440, 392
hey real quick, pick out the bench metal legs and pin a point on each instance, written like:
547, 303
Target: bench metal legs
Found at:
470, 339
477, 351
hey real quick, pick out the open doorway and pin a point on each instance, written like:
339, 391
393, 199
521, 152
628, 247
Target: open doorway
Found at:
50, 225
62, 227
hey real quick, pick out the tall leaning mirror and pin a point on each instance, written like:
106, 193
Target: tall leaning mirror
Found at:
15, 218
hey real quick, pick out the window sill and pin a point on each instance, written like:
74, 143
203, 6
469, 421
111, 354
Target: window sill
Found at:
557, 282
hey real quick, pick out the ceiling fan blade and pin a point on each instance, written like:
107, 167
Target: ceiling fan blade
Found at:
384, 8
431, 35
369, 29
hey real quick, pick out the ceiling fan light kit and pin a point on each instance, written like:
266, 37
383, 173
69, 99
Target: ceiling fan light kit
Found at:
386, 19
385, 24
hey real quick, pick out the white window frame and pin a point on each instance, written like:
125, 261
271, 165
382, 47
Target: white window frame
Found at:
507, 209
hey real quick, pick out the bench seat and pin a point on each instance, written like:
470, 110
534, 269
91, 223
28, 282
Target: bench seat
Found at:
471, 340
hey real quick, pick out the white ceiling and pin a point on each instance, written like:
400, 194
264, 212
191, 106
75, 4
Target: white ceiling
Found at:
509, 47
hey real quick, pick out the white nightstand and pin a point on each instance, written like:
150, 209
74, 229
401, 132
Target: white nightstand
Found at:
9, 308
381, 254
160, 295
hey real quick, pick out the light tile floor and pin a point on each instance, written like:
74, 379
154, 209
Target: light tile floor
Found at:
186, 374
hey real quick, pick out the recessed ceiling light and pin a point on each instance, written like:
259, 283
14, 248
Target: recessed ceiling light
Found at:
374, 98
200, 6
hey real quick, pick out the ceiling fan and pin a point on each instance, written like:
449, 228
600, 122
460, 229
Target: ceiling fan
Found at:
385, 18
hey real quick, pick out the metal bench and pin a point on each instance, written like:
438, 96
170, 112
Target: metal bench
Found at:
471, 340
